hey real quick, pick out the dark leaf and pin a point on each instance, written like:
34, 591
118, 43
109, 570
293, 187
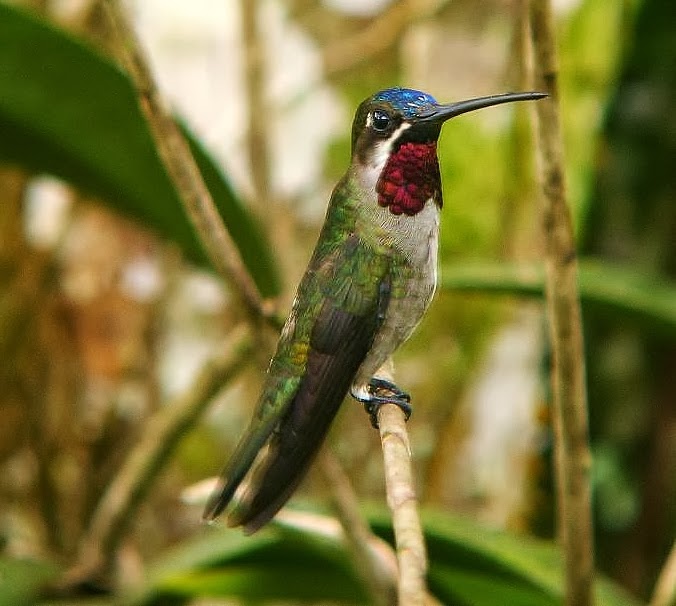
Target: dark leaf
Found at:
68, 111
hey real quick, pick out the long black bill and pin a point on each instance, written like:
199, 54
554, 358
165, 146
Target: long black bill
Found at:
441, 113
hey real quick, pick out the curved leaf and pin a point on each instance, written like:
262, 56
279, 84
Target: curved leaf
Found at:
470, 565
647, 299
524, 563
267, 584
481, 589
274, 564
66, 110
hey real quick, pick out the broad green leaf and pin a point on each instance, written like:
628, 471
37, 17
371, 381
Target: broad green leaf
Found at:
22, 580
210, 549
481, 589
461, 545
273, 564
264, 583
470, 565
621, 290
68, 111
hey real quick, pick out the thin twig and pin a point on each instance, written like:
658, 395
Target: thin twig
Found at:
161, 435
367, 549
516, 210
43, 450
664, 593
401, 499
258, 128
181, 166
573, 459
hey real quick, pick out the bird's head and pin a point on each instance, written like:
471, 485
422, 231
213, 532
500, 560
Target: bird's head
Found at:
394, 138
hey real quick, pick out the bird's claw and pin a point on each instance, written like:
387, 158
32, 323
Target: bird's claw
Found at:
382, 392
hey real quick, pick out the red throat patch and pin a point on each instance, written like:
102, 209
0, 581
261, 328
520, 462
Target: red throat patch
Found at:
410, 178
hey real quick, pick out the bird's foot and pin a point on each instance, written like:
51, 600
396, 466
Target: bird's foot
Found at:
382, 392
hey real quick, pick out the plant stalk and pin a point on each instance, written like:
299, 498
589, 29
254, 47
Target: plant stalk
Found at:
572, 453
182, 168
402, 501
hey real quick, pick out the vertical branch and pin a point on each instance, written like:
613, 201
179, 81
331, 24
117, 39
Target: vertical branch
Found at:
258, 123
182, 168
519, 197
573, 459
402, 501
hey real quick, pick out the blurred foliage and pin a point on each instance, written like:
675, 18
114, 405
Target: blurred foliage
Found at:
615, 291
86, 362
21, 580
89, 130
632, 220
470, 565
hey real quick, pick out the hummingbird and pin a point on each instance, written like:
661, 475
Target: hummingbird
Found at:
370, 279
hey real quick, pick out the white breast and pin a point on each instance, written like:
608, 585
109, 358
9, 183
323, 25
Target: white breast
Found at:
416, 237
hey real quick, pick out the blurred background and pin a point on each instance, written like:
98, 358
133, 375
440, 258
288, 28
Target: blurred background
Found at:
103, 320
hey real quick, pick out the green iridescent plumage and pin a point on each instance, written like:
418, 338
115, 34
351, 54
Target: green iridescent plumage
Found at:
339, 307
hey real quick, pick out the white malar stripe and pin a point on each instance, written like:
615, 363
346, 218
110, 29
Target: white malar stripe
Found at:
371, 171
382, 150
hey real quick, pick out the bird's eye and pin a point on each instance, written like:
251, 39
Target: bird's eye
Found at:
381, 120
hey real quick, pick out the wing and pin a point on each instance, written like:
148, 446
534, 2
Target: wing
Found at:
329, 333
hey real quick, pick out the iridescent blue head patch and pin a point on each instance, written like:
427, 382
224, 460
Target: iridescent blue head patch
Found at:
406, 100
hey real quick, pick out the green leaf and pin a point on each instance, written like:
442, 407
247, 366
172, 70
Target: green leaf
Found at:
274, 564
22, 580
649, 300
481, 589
470, 565
213, 548
259, 583
68, 111
479, 558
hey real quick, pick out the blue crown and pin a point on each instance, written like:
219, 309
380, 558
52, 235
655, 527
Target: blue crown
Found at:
406, 100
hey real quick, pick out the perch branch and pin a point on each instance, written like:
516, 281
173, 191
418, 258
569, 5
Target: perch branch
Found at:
401, 499
573, 459
182, 168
